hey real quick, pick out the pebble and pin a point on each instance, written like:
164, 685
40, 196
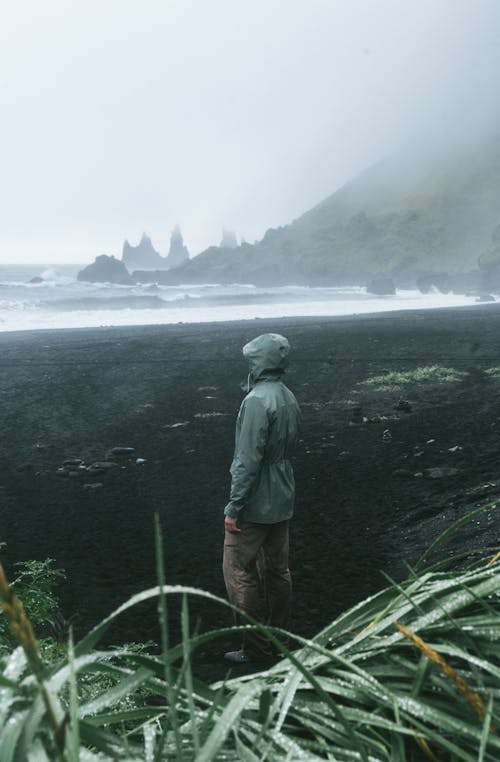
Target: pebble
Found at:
75, 468
404, 406
403, 473
120, 452
440, 473
93, 471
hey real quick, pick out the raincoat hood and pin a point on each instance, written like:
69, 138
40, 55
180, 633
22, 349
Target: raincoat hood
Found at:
267, 353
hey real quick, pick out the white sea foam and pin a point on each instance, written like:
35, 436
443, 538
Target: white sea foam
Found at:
60, 301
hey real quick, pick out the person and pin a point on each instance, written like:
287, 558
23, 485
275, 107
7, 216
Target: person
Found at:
262, 496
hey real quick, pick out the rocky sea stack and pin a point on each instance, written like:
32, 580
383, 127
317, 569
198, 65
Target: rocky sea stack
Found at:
106, 269
178, 252
143, 256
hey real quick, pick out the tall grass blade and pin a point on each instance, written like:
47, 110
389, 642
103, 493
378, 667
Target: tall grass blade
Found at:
188, 675
452, 529
9, 739
227, 722
170, 693
471, 696
87, 643
22, 630
486, 730
73, 732
117, 693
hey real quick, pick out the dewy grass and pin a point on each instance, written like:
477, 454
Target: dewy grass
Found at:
472, 697
19, 624
394, 380
493, 560
22, 630
353, 692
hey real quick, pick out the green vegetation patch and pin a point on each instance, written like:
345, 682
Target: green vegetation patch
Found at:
212, 414
411, 673
435, 374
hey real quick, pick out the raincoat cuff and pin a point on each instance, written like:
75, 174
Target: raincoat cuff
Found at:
231, 511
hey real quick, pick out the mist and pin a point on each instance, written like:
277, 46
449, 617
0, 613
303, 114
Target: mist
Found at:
126, 116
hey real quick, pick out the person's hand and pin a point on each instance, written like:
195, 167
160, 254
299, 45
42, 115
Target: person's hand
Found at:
230, 525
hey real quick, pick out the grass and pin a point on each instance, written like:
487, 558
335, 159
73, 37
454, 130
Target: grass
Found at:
412, 673
395, 380
212, 414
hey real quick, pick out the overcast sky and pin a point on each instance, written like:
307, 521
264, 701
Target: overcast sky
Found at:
124, 116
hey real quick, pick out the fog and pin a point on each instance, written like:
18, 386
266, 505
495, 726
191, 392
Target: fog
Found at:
124, 116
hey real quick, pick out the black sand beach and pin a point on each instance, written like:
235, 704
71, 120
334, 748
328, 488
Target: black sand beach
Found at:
172, 393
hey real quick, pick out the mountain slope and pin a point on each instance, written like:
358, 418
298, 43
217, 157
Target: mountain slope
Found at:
408, 215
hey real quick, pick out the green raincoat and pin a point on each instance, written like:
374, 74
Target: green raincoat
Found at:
262, 485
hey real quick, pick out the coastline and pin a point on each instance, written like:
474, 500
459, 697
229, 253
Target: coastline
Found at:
63, 302
172, 393
293, 318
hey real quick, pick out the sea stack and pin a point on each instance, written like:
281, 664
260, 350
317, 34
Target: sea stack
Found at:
106, 270
143, 256
229, 240
178, 253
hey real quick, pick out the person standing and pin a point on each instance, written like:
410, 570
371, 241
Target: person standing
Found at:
262, 495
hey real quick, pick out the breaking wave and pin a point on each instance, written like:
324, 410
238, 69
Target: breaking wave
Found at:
51, 297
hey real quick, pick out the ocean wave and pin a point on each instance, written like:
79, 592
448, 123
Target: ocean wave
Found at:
52, 277
89, 303
16, 305
58, 301
47, 279
103, 315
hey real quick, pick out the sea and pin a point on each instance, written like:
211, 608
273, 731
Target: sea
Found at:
37, 297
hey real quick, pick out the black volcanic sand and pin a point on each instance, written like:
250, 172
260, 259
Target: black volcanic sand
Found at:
172, 393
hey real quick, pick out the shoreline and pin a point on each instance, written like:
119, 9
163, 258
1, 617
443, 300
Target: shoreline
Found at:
53, 308
144, 327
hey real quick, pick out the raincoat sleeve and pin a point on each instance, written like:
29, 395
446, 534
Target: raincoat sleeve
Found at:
252, 429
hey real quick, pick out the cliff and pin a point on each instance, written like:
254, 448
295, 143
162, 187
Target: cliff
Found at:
431, 213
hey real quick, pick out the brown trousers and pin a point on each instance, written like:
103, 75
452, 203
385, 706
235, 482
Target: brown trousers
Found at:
258, 579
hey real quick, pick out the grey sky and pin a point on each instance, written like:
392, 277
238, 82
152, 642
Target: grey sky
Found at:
120, 116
